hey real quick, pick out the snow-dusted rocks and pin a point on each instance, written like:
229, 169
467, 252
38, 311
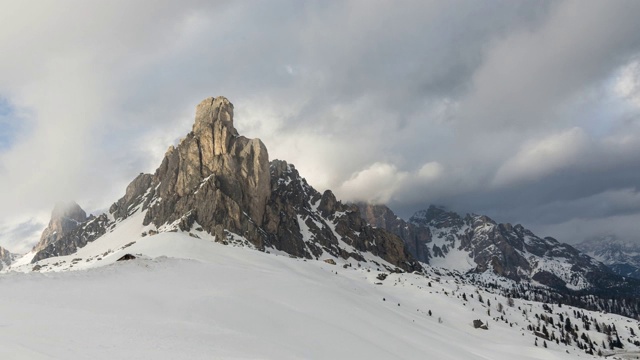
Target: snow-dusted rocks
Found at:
415, 237
305, 223
507, 250
71, 241
6, 258
64, 218
477, 244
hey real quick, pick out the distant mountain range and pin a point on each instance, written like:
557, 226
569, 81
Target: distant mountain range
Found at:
476, 244
623, 257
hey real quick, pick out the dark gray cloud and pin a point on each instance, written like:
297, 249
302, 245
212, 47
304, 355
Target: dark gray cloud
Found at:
525, 111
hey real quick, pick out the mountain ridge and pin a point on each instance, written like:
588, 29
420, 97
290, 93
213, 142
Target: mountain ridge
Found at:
622, 257
476, 244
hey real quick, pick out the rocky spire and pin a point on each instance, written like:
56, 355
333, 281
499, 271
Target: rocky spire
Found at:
64, 218
214, 177
214, 123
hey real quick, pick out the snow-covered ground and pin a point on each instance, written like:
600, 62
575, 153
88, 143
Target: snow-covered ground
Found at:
210, 301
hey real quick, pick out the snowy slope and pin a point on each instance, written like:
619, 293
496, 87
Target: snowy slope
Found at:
238, 304
188, 297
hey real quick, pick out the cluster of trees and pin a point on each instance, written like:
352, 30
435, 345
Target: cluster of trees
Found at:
561, 329
624, 305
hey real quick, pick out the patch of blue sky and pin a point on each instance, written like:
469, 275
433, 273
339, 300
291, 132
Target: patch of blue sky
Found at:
10, 124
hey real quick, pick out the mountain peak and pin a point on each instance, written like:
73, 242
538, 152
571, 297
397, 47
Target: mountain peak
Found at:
436, 215
214, 125
65, 217
68, 209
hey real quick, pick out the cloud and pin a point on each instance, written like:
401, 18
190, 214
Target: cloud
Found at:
501, 108
543, 157
431, 171
376, 183
382, 182
627, 83
527, 75
20, 234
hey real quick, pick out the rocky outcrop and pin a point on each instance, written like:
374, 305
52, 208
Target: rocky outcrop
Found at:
64, 218
214, 177
223, 182
76, 238
415, 237
6, 258
305, 223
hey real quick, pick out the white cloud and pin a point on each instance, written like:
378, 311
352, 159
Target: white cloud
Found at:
627, 83
376, 184
431, 171
543, 157
529, 75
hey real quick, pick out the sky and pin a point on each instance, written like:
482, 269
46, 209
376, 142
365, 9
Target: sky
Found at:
528, 112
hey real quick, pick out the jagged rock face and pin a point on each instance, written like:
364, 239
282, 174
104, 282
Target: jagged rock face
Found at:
622, 257
213, 177
510, 251
224, 183
305, 223
76, 238
6, 258
64, 218
415, 237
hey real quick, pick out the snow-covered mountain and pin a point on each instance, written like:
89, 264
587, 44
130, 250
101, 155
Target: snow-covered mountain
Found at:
623, 257
477, 244
65, 217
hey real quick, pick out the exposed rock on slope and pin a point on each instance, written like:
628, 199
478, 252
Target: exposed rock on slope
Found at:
64, 218
302, 222
6, 258
511, 251
476, 244
416, 237
222, 182
80, 236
